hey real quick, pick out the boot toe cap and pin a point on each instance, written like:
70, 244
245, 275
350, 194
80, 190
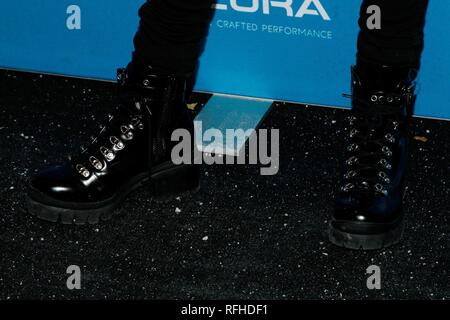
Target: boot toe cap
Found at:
378, 215
56, 181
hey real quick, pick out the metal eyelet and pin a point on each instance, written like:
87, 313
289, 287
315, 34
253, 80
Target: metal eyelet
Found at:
390, 99
353, 147
108, 154
381, 99
129, 135
353, 133
373, 98
350, 174
351, 161
389, 137
385, 164
146, 82
135, 122
117, 143
83, 171
387, 151
124, 129
97, 164
383, 176
380, 189
348, 187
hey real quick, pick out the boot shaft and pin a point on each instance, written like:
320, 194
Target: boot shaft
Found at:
160, 97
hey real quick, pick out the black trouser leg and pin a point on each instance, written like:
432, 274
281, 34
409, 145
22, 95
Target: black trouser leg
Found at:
399, 42
172, 32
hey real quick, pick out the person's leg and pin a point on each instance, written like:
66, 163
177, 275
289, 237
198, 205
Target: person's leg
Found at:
172, 32
134, 146
368, 210
399, 42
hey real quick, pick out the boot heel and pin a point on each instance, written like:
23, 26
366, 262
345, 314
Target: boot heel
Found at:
175, 180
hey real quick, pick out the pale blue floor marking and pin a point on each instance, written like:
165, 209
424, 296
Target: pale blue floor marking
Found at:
225, 112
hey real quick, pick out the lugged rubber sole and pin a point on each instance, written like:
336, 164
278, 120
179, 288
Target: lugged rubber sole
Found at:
365, 241
164, 184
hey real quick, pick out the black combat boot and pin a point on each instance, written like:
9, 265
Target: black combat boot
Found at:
368, 208
132, 149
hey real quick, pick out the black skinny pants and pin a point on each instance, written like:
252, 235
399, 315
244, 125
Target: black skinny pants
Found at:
171, 34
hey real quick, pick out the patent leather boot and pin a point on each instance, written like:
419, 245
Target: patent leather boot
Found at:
132, 149
368, 207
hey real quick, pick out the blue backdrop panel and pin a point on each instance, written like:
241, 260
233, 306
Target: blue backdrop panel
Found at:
255, 48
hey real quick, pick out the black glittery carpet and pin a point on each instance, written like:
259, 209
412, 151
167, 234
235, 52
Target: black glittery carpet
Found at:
242, 236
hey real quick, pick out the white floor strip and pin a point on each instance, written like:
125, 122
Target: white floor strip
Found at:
223, 113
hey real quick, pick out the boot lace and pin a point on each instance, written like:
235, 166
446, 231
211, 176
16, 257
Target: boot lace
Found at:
374, 131
116, 132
